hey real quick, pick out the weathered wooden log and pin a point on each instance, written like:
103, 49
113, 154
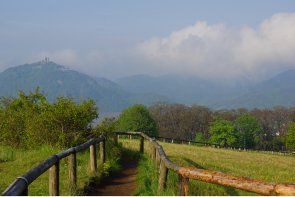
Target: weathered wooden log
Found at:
73, 171
25, 192
247, 184
116, 137
102, 151
18, 187
54, 180
93, 161
162, 178
182, 185
158, 158
141, 145
153, 152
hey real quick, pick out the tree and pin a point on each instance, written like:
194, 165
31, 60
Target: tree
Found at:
200, 137
30, 120
250, 131
71, 120
223, 132
106, 127
290, 140
180, 121
137, 118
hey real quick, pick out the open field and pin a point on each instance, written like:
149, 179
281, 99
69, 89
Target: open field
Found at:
15, 162
261, 166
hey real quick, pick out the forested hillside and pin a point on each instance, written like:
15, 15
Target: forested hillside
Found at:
263, 129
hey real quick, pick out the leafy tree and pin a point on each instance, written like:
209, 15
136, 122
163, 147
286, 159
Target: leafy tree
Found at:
290, 140
137, 118
223, 132
250, 131
30, 120
71, 120
106, 127
200, 137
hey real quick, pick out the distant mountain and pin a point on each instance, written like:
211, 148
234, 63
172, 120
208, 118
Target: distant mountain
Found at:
113, 96
276, 91
183, 89
57, 80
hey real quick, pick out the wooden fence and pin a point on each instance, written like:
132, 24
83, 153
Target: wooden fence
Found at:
21, 184
184, 173
191, 142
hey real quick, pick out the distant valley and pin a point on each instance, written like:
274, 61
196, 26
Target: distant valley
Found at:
113, 96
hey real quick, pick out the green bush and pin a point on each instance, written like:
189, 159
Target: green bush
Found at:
29, 120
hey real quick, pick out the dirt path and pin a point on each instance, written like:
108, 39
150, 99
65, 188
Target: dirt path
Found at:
121, 184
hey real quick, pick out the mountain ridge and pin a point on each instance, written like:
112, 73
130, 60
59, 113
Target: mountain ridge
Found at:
113, 96
57, 80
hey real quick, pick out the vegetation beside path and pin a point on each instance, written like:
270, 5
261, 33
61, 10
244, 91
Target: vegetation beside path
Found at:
261, 166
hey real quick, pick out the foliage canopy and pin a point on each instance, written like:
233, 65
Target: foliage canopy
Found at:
29, 120
290, 140
137, 118
223, 132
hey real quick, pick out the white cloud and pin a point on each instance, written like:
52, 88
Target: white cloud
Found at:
218, 51
272, 42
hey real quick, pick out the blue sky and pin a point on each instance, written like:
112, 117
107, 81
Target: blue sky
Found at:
119, 38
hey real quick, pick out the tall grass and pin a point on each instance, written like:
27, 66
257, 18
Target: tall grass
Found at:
261, 166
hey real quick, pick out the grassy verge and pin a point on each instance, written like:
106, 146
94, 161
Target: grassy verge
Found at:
16, 162
264, 167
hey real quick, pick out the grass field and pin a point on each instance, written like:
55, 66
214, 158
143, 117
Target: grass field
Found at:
16, 162
261, 166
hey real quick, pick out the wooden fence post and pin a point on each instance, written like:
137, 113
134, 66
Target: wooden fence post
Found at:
54, 180
102, 151
116, 136
182, 185
73, 171
141, 145
153, 154
93, 162
158, 158
162, 177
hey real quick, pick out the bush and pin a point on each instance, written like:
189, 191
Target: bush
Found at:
30, 120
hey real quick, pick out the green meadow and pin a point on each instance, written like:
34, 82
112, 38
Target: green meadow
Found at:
261, 166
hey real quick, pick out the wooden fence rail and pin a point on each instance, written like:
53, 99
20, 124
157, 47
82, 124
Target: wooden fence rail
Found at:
185, 173
21, 184
190, 142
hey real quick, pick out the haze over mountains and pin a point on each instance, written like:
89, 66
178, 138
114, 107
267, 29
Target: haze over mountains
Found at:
113, 96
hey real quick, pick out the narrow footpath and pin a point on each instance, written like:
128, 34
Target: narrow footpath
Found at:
121, 184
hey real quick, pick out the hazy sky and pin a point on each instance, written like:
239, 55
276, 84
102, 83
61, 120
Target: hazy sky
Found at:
221, 38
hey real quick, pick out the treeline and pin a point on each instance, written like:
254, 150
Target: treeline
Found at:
263, 129
29, 120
